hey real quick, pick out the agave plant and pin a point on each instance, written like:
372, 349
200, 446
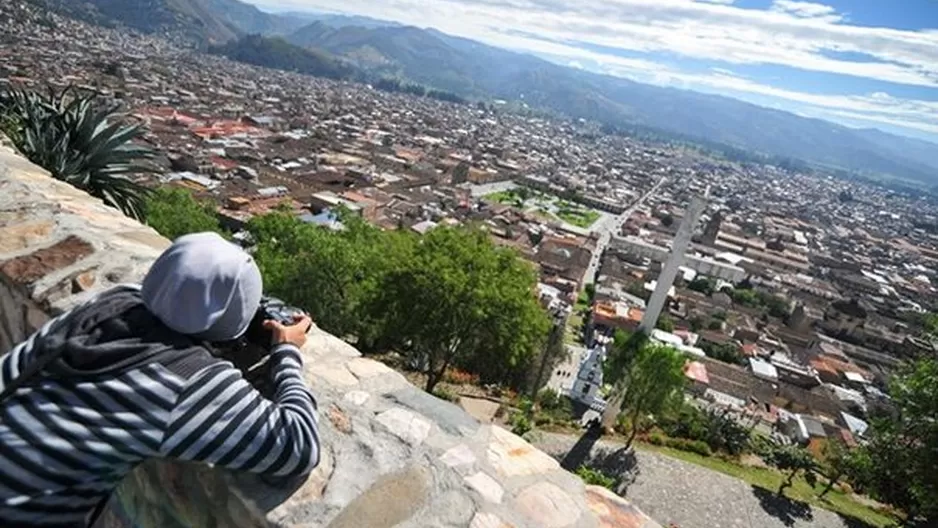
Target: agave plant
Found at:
79, 141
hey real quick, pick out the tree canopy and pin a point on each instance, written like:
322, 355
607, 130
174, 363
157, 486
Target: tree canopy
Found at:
792, 458
174, 212
461, 300
648, 377
449, 298
897, 465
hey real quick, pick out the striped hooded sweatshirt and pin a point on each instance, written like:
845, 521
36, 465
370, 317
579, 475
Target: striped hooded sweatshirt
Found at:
126, 388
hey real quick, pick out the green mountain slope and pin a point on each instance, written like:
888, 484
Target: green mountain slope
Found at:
203, 21
274, 52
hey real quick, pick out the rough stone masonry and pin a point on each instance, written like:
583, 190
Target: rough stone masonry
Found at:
393, 455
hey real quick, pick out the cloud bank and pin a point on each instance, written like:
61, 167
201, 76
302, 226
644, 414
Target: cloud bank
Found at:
801, 35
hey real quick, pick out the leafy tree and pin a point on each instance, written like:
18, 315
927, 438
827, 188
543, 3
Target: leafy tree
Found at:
725, 352
897, 464
777, 306
338, 277
665, 323
746, 297
174, 212
553, 353
461, 300
449, 298
929, 324
703, 285
649, 378
719, 430
792, 458
590, 290
79, 141
837, 462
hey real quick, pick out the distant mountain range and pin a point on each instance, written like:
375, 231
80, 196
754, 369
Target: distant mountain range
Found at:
204, 21
470, 69
473, 69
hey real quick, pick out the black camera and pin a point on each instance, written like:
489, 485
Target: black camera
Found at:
270, 309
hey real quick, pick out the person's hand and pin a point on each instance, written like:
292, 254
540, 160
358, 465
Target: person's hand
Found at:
294, 334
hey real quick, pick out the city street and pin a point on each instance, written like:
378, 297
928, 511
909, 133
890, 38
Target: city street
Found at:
609, 225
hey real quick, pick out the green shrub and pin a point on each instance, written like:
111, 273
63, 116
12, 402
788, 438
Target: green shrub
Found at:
693, 446
656, 439
520, 423
81, 141
594, 477
446, 394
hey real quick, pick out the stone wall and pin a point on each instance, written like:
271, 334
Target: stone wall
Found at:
392, 455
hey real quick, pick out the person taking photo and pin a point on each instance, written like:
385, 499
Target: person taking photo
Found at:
130, 376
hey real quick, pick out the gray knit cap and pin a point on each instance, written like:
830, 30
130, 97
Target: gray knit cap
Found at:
204, 286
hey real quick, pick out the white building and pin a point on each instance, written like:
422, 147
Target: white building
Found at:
589, 380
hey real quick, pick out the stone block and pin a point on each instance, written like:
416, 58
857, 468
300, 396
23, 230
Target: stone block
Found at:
320, 344
547, 505
356, 397
393, 499
488, 487
613, 511
459, 457
147, 237
367, 368
20, 236
310, 490
71, 284
27, 269
406, 425
488, 520
511, 456
448, 416
336, 375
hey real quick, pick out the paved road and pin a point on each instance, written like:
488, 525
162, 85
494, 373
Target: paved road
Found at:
562, 377
691, 496
608, 226
478, 191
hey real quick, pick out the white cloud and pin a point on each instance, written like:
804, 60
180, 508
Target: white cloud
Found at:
790, 33
685, 27
807, 10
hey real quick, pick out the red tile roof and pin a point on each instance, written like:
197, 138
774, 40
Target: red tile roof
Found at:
697, 371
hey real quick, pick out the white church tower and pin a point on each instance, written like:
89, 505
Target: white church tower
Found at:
672, 266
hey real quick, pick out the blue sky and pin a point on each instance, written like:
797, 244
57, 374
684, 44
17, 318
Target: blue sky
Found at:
862, 63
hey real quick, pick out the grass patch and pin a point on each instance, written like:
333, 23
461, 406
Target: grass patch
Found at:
505, 197
770, 479
574, 332
583, 218
569, 212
